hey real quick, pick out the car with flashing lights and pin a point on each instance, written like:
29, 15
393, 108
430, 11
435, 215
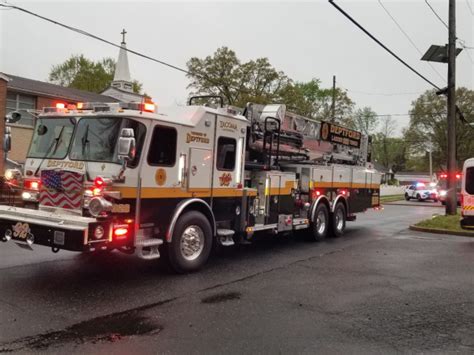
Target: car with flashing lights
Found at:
467, 193
442, 187
421, 192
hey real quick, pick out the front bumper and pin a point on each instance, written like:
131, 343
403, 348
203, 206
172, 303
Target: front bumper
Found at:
61, 231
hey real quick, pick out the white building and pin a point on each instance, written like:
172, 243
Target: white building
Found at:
121, 87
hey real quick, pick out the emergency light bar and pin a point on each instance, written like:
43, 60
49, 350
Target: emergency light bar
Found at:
102, 107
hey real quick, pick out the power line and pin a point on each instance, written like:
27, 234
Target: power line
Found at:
436, 14
385, 93
85, 33
409, 38
382, 45
88, 34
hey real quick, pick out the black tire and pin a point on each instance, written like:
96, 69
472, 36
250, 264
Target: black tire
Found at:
320, 225
407, 197
338, 220
190, 225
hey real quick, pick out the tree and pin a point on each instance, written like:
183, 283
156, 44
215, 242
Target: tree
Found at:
238, 83
311, 100
389, 151
364, 120
81, 73
428, 125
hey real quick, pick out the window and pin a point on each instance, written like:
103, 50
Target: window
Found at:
226, 148
51, 138
96, 139
20, 102
470, 181
162, 150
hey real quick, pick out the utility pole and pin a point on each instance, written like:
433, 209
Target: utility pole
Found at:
451, 200
333, 105
430, 152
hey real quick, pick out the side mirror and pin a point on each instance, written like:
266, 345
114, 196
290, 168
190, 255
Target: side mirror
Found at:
126, 144
13, 117
7, 140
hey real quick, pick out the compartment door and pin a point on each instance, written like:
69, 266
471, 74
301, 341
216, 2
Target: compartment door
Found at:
200, 165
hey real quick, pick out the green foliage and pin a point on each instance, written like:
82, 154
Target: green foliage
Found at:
82, 73
389, 151
223, 74
449, 223
311, 100
428, 125
257, 81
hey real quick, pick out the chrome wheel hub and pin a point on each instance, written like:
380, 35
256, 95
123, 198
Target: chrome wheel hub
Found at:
192, 242
339, 220
321, 222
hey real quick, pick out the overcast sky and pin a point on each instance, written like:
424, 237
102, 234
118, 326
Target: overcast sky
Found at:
305, 39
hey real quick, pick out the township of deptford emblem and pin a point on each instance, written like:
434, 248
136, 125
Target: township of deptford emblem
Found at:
225, 179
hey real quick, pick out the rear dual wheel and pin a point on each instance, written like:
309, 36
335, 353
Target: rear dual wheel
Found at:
326, 223
338, 220
320, 225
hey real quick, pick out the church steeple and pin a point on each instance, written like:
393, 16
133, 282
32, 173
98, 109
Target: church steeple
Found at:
122, 79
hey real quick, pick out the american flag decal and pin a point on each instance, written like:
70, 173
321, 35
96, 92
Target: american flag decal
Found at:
60, 188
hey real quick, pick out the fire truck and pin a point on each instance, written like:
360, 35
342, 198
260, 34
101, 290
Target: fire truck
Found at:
467, 191
179, 181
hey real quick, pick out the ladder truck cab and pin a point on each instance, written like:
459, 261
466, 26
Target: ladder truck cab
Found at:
467, 199
138, 179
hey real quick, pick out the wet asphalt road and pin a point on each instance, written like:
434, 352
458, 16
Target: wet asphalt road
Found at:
380, 288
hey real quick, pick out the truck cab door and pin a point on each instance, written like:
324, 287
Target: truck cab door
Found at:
200, 168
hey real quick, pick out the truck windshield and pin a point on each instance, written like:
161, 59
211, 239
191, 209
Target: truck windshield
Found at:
51, 138
96, 138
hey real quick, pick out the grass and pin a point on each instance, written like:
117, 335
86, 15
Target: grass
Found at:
441, 222
391, 198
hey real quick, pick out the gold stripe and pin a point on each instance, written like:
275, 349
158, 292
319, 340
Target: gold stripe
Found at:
284, 190
176, 192
345, 185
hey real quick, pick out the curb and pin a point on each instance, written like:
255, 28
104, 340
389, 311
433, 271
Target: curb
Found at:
440, 231
410, 204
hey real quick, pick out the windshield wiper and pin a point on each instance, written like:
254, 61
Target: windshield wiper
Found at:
85, 145
52, 149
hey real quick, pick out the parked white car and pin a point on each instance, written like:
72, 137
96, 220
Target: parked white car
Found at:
421, 192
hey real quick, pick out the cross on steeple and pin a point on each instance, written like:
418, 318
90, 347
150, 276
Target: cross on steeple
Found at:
123, 33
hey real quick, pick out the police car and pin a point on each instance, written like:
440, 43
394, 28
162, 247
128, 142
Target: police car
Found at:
421, 192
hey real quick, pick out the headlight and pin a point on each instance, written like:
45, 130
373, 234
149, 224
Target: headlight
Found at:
443, 193
98, 206
11, 174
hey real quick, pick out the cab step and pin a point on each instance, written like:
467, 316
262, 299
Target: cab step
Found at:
149, 248
225, 237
